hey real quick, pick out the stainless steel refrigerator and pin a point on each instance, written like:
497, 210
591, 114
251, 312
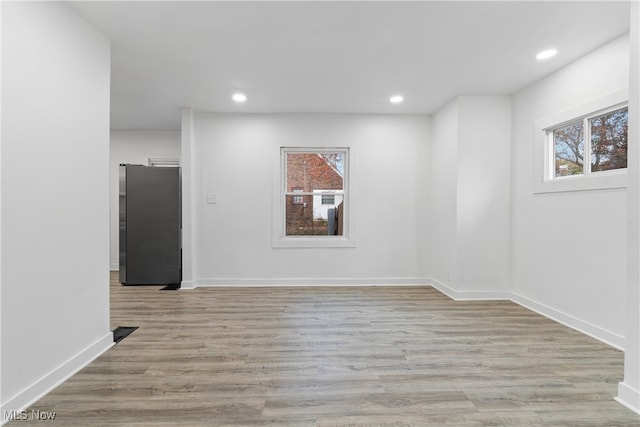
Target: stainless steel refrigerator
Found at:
150, 225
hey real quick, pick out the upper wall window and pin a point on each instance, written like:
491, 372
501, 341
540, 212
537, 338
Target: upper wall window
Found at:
583, 148
590, 144
163, 162
314, 198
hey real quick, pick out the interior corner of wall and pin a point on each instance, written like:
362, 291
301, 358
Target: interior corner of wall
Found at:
629, 397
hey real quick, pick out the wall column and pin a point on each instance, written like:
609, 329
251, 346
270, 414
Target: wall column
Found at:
629, 389
187, 161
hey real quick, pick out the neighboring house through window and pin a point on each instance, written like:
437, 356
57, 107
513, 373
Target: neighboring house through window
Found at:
314, 197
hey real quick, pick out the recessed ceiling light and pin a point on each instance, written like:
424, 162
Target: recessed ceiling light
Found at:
396, 99
546, 54
239, 97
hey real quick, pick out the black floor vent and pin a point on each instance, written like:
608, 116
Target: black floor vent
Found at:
171, 288
121, 332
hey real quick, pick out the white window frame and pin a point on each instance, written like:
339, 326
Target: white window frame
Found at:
164, 162
279, 237
544, 180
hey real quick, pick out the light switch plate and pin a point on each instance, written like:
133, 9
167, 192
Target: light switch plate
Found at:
211, 198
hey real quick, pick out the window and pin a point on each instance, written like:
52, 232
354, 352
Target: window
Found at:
568, 148
584, 147
608, 136
591, 144
309, 175
297, 200
328, 199
313, 209
163, 162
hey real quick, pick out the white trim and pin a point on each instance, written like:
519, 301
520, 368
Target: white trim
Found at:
44, 385
601, 334
542, 183
308, 282
158, 161
115, 266
629, 397
313, 242
189, 284
470, 295
610, 338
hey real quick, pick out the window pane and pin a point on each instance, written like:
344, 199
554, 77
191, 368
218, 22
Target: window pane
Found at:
297, 200
315, 171
328, 199
312, 217
609, 141
568, 148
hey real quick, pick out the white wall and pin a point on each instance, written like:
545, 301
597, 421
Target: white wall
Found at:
484, 151
568, 249
55, 212
629, 389
135, 147
443, 181
191, 190
470, 196
234, 158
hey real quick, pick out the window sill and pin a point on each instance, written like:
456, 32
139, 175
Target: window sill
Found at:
596, 181
313, 242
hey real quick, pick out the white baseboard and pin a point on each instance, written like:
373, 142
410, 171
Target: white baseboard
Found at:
279, 282
114, 267
470, 295
601, 334
188, 284
629, 397
44, 385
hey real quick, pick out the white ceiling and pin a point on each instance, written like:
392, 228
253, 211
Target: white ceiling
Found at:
333, 57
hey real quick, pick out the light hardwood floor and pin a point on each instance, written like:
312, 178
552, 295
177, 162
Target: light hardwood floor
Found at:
371, 356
